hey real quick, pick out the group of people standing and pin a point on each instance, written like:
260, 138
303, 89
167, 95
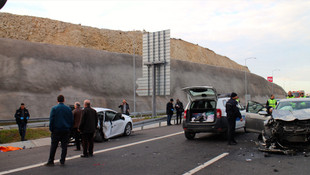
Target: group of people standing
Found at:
63, 122
170, 110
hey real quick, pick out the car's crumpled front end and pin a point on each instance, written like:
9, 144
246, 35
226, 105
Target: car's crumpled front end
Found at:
287, 132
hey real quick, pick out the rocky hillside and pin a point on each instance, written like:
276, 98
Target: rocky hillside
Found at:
45, 30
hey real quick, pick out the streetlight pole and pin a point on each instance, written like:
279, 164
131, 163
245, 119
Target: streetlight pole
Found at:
273, 78
245, 80
134, 75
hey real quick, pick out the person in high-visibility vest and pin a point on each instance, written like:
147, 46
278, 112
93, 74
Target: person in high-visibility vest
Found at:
271, 104
289, 95
302, 95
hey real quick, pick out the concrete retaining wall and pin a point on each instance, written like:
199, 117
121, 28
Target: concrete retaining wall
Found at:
35, 73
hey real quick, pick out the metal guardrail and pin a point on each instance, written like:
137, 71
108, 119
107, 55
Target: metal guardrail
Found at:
140, 124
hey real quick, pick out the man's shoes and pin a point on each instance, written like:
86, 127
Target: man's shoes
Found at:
77, 150
232, 143
49, 164
169, 124
91, 155
84, 156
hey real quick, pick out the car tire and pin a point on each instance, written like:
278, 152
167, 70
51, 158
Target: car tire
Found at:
128, 129
190, 135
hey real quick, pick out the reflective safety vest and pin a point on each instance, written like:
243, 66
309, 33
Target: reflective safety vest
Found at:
291, 96
303, 97
272, 103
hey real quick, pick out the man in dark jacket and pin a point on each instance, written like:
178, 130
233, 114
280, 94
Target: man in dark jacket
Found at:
21, 116
232, 114
169, 111
61, 122
87, 128
77, 115
124, 107
179, 108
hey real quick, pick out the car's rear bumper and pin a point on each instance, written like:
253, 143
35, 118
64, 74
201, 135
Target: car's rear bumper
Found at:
219, 126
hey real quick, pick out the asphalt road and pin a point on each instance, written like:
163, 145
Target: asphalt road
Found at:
161, 150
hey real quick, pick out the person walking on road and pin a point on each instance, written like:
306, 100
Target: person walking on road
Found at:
124, 107
61, 122
87, 128
271, 104
179, 109
21, 116
77, 115
232, 114
169, 111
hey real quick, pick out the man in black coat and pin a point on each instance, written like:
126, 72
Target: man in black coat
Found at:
21, 116
169, 111
124, 107
87, 128
179, 109
232, 114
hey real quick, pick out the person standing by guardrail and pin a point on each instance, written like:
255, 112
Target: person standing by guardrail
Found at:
61, 122
124, 107
179, 109
169, 111
21, 116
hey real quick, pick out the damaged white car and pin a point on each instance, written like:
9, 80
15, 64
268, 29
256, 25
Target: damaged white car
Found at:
288, 129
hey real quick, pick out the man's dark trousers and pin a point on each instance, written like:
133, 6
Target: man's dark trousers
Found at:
179, 115
88, 143
169, 116
77, 137
63, 138
22, 130
231, 129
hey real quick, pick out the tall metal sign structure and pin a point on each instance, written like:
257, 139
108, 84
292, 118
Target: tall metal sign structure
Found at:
155, 66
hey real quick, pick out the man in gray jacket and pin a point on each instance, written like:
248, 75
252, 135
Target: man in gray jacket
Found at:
87, 128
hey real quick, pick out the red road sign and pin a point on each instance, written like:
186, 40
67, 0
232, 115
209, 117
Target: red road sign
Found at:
270, 79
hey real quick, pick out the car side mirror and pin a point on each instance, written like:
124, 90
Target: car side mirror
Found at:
262, 113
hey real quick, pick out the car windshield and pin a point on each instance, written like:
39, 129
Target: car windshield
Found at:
293, 105
201, 92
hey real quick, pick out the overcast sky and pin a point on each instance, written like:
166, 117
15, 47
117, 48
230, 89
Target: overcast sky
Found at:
275, 32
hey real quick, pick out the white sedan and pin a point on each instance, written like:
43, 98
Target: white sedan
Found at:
112, 123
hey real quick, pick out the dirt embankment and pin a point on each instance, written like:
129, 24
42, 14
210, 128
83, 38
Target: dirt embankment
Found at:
45, 30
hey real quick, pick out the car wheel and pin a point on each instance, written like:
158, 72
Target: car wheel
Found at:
190, 135
128, 129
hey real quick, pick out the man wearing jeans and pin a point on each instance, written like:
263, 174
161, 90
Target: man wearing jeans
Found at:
61, 122
21, 116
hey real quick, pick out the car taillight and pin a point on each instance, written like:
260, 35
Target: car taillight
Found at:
218, 113
185, 114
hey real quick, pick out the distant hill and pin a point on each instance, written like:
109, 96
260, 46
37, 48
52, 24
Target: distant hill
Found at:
45, 30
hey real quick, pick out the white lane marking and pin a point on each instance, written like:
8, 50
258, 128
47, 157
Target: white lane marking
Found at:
195, 170
96, 152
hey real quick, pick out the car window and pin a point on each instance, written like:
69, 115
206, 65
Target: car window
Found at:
117, 116
293, 105
254, 107
109, 115
201, 92
203, 104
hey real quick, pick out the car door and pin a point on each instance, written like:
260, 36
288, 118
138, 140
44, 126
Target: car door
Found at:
107, 124
255, 117
118, 124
